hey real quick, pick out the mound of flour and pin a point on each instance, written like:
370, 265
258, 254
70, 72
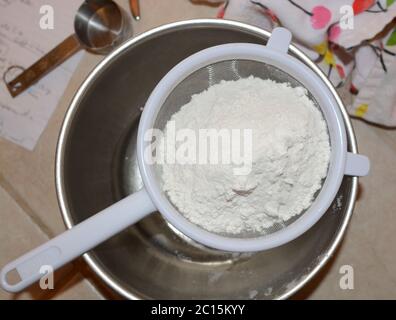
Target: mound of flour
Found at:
290, 156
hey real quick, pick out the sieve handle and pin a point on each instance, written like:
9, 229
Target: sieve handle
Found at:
280, 40
357, 165
62, 249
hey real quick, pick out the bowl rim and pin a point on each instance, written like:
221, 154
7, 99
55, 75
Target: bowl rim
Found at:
90, 258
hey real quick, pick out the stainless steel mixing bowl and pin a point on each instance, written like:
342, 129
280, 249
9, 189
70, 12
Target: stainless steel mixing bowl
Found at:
96, 166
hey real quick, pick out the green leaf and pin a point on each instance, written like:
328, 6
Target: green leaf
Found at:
389, 2
392, 39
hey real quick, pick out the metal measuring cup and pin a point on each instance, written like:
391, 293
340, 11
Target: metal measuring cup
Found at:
99, 26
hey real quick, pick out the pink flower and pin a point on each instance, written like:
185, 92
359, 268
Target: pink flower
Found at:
334, 32
321, 16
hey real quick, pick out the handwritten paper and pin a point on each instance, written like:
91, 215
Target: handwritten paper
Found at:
22, 42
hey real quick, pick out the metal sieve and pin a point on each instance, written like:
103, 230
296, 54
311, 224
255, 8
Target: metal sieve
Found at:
231, 62
190, 76
213, 74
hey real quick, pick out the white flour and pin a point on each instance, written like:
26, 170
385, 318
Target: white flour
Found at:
290, 157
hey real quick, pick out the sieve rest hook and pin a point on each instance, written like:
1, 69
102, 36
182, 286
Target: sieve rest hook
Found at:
280, 40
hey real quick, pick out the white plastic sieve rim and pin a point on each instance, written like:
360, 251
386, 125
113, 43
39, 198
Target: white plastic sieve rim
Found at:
298, 70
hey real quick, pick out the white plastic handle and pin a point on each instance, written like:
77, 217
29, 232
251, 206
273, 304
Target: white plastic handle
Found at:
280, 40
77, 240
357, 165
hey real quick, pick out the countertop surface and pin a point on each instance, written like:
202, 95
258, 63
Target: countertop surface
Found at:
29, 210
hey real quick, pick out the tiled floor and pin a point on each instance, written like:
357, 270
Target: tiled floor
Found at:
29, 211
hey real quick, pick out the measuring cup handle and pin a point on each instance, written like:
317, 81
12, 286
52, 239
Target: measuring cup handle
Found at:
40, 68
76, 241
280, 40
